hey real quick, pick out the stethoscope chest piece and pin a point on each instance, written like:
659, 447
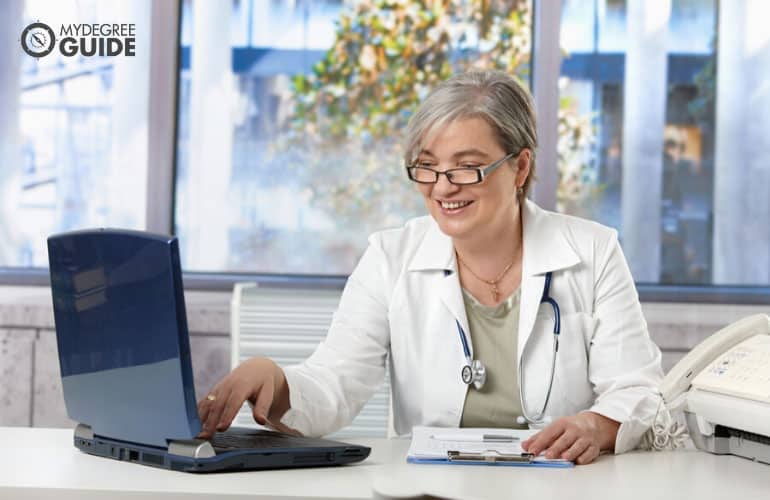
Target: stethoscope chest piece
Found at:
475, 374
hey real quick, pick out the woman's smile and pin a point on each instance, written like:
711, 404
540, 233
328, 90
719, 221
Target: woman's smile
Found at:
453, 207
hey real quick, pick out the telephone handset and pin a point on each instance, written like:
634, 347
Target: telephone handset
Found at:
681, 376
724, 380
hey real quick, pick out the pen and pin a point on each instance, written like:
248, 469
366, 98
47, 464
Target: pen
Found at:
476, 438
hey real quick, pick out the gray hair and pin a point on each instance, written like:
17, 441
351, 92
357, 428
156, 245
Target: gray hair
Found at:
491, 95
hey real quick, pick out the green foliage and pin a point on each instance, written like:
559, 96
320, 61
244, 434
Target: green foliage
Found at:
578, 186
388, 54
356, 102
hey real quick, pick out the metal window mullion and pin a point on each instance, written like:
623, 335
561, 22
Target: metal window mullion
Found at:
162, 106
546, 66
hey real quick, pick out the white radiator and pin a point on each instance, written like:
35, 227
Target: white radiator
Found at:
286, 324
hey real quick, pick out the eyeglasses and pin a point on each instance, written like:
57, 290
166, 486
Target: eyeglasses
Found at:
460, 176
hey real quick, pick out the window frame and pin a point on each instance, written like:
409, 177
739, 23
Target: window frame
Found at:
165, 20
163, 126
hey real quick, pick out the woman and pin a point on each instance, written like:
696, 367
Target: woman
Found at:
470, 277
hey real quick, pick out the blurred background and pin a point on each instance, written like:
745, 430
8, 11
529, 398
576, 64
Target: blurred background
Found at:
289, 119
266, 134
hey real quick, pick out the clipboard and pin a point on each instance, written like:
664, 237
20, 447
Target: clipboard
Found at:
495, 462
469, 448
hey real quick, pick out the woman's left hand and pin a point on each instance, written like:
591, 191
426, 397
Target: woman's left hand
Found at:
579, 438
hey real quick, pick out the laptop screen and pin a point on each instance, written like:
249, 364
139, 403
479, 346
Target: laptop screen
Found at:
121, 330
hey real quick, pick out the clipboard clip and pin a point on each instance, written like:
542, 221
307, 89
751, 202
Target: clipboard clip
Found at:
490, 456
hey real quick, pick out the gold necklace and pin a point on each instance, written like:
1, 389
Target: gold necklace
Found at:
492, 283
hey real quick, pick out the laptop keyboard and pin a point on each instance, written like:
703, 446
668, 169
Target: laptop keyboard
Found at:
256, 439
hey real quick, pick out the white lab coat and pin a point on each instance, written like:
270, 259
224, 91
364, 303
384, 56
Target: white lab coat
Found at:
404, 297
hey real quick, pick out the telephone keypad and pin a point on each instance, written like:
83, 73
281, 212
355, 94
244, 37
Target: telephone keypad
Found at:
742, 371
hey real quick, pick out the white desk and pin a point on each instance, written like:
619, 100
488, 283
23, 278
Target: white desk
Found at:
43, 463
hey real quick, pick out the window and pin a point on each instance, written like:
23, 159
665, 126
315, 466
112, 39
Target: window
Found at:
677, 94
73, 153
289, 141
288, 156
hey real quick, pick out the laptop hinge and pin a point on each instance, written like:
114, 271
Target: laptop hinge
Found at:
83, 431
192, 448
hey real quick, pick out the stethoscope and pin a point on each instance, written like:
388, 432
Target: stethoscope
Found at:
475, 373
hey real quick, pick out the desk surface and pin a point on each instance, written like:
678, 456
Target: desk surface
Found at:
43, 463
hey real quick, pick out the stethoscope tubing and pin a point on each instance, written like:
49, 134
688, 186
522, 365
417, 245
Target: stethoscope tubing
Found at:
466, 349
538, 418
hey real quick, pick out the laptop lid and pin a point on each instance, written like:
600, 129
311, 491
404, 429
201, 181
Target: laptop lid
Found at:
121, 330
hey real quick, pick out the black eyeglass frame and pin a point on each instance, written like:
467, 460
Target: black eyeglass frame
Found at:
481, 173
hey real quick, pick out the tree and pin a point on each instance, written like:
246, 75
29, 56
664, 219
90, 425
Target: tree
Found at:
386, 56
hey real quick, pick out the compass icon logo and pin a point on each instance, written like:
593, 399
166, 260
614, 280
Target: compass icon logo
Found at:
38, 39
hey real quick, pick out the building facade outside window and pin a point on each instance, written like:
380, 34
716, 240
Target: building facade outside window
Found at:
679, 165
73, 142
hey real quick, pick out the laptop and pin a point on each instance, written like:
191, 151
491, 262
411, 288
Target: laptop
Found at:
124, 353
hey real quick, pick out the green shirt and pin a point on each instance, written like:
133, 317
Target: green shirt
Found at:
494, 330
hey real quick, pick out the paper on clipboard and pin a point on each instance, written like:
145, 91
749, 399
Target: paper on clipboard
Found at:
427, 447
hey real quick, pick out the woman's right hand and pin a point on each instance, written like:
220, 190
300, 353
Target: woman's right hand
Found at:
257, 380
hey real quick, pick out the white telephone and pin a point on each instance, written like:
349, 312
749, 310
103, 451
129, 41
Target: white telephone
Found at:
723, 385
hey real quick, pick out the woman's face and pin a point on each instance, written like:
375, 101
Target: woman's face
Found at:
467, 211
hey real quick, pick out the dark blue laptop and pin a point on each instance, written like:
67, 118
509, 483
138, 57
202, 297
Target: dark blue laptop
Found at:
124, 353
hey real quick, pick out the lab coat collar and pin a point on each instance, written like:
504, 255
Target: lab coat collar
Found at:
545, 246
546, 249
436, 252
